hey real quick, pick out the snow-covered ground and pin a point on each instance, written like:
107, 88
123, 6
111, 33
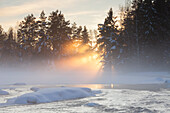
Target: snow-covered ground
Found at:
3, 92
46, 95
126, 92
103, 98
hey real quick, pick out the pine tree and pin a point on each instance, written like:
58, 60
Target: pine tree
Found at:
43, 44
163, 19
9, 51
74, 31
3, 36
85, 36
108, 42
27, 36
79, 31
75, 39
145, 32
60, 32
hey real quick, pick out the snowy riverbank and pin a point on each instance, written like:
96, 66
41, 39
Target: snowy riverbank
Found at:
47, 95
23, 99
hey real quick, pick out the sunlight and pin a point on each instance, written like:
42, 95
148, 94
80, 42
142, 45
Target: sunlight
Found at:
83, 62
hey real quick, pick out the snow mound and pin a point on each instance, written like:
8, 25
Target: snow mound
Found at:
3, 92
19, 84
91, 104
51, 95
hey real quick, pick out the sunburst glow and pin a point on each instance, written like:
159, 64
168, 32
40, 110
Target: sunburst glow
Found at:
85, 61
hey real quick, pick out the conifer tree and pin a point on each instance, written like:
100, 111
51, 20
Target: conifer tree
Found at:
74, 31
10, 47
27, 35
60, 32
43, 44
2, 40
85, 36
108, 42
2, 37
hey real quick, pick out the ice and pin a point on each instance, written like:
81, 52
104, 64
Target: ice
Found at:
3, 92
47, 95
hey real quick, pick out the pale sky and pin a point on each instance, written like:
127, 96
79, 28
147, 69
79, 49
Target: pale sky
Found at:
83, 12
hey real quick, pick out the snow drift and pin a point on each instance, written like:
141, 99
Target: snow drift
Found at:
51, 95
3, 92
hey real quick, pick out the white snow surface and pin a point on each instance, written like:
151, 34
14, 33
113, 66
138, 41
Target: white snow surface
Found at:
119, 98
92, 104
114, 47
3, 92
19, 84
47, 95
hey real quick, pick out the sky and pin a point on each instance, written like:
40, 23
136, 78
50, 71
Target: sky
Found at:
83, 12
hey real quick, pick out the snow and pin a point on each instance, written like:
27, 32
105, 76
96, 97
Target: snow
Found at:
113, 41
97, 91
39, 49
3, 92
47, 95
91, 104
19, 84
110, 100
114, 47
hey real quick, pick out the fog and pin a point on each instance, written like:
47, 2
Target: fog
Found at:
77, 69
80, 73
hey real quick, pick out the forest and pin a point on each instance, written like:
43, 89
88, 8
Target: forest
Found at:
136, 39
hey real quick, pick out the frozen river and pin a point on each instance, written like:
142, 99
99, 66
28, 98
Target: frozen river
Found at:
114, 98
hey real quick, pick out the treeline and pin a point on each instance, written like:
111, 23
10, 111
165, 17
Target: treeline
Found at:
143, 42
138, 38
43, 39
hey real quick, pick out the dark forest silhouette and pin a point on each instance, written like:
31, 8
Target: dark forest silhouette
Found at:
142, 42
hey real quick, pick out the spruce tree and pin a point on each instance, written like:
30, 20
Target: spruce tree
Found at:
3, 36
85, 36
27, 36
60, 33
9, 51
108, 42
43, 44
